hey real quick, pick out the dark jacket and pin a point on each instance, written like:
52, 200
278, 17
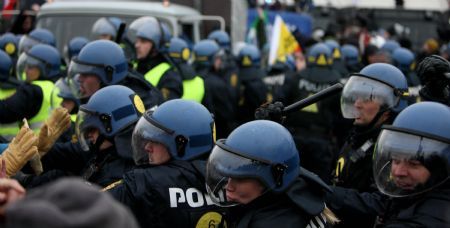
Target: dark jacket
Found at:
169, 195
149, 94
253, 93
301, 205
430, 209
25, 103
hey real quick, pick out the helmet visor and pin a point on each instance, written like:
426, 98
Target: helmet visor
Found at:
77, 68
362, 89
84, 123
406, 164
103, 27
223, 165
26, 43
146, 132
25, 62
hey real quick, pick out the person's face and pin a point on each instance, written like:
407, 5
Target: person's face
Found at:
32, 73
89, 84
68, 104
143, 47
157, 153
407, 174
92, 136
105, 37
243, 190
367, 109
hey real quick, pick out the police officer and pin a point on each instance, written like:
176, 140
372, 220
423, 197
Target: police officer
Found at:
194, 86
101, 63
371, 98
8, 86
404, 60
104, 127
107, 28
313, 126
351, 57
253, 91
74, 47
257, 167
432, 72
411, 171
148, 41
9, 44
338, 62
228, 69
37, 67
207, 61
168, 187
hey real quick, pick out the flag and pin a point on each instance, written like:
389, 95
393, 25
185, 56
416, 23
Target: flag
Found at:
282, 42
257, 32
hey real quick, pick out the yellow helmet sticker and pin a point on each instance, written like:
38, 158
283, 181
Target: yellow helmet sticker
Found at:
234, 80
138, 104
185, 54
322, 60
246, 61
210, 219
336, 53
10, 48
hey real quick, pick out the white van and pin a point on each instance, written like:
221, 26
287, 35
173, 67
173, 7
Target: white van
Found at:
70, 18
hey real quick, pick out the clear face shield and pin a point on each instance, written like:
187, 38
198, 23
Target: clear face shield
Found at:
224, 164
132, 32
76, 69
362, 89
148, 131
103, 27
86, 123
407, 165
26, 43
26, 62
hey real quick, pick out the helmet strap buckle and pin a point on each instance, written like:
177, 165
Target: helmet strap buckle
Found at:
181, 142
277, 173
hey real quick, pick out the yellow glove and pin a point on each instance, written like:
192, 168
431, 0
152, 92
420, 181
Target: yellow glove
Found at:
20, 150
52, 129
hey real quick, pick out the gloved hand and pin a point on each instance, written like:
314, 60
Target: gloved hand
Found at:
20, 150
269, 111
51, 130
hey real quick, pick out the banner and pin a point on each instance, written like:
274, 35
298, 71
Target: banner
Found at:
282, 42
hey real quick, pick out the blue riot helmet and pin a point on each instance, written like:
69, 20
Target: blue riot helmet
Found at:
37, 36
390, 46
185, 128
110, 110
74, 47
419, 135
106, 27
147, 28
167, 36
380, 82
260, 149
102, 58
320, 55
350, 54
5, 66
403, 59
179, 50
222, 38
204, 53
8, 43
42, 56
248, 56
335, 48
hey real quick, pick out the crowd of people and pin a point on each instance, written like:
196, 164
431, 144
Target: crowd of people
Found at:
159, 133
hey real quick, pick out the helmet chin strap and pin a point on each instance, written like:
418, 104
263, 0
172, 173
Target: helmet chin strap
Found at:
375, 119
